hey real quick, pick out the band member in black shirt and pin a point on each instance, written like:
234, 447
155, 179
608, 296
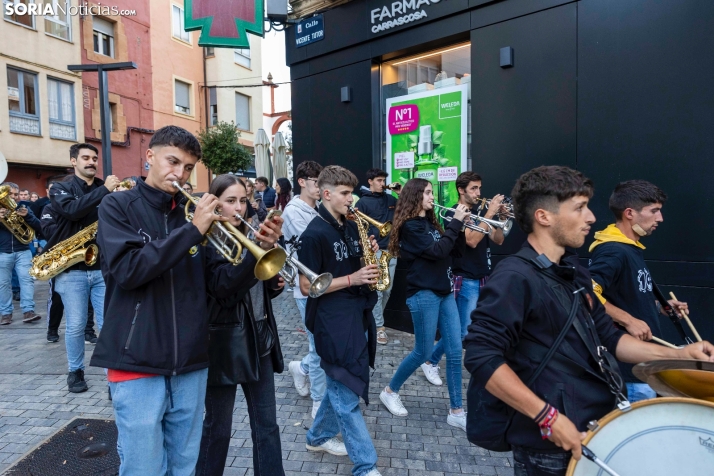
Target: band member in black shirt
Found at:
519, 305
472, 268
341, 321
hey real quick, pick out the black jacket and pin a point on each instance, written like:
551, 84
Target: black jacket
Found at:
156, 318
10, 244
379, 206
427, 253
39, 205
516, 305
76, 206
48, 220
233, 343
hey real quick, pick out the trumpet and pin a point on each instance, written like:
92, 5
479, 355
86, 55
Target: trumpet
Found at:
230, 242
382, 228
484, 203
396, 186
290, 271
491, 225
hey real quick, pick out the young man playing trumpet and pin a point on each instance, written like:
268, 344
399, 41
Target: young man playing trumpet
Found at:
379, 204
472, 268
621, 278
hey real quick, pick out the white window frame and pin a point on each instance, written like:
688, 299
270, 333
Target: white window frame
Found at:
72, 122
15, 2
241, 56
182, 35
101, 35
55, 19
181, 109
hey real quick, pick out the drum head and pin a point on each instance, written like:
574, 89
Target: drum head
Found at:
659, 437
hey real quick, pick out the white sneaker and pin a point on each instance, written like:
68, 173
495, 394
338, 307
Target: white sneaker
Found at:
299, 378
431, 372
459, 421
315, 408
373, 472
332, 446
393, 403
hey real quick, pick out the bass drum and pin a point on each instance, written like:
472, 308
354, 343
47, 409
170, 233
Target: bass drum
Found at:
659, 437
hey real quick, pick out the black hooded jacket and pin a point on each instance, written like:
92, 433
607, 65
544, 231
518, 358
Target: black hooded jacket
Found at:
379, 206
156, 318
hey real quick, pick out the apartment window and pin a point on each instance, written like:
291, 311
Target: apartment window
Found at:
103, 36
178, 30
113, 119
213, 106
60, 96
19, 13
242, 112
183, 97
22, 102
242, 57
59, 25
209, 51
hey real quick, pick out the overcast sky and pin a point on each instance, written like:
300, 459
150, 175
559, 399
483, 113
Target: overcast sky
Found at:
274, 62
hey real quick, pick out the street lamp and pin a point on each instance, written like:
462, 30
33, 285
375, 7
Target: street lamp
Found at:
104, 111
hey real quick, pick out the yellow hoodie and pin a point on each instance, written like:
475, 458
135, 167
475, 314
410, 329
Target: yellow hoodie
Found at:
610, 234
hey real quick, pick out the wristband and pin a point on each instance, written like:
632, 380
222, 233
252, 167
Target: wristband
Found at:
542, 413
546, 426
349, 284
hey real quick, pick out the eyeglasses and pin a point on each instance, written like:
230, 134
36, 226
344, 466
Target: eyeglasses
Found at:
311, 180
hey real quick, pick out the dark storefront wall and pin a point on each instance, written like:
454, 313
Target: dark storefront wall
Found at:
616, 89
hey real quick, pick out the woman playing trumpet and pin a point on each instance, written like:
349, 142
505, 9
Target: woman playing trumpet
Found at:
243, 343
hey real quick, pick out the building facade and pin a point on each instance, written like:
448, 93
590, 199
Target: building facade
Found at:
611, 88
42, 102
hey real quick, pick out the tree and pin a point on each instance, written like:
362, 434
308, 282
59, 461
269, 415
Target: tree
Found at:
222, 153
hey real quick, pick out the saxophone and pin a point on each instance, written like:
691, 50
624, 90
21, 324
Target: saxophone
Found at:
66, 254
370, 257
12, 220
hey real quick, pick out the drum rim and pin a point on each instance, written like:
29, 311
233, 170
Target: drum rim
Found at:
618, 413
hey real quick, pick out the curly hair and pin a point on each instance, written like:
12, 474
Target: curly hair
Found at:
409, 206
635, 194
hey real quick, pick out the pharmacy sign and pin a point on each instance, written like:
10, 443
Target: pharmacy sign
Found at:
224, 23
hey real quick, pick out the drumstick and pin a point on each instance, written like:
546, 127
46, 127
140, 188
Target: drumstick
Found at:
686, 318
593, 457
664, 343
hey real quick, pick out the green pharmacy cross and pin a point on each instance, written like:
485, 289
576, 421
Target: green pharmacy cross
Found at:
224, 23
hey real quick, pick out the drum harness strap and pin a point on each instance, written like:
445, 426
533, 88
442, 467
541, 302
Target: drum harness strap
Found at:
567, 359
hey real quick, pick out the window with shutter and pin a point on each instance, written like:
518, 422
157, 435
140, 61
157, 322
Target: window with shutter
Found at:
242, 112
183, 97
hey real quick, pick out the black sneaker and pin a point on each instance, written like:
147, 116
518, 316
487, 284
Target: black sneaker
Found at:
75, 382
15, 296
90, 337
52, 336
109, 393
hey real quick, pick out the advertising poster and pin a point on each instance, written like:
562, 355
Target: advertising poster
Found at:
427, 138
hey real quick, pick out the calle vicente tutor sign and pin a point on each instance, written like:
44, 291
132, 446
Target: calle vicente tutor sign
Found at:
398, 13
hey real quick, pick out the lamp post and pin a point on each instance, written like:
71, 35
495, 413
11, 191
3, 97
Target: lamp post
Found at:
104, 111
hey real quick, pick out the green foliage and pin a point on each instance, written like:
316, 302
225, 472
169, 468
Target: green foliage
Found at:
222, 153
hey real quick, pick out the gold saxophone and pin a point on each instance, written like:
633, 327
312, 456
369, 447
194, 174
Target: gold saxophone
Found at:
363, 222
66, 254
12, 221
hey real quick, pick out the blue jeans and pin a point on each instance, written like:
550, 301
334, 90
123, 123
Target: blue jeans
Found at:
340, 412
20, 261
531, 463
159, 432
383, 296
310, 364
430, 310
639, 391
76, 288
466, 303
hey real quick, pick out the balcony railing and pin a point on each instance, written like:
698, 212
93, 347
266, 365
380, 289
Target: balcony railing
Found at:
25, 125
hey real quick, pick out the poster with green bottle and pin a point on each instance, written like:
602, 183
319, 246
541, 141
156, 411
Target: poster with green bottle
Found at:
427, 138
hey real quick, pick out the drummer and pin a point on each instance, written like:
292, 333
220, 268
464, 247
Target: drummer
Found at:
620, 275
524, 308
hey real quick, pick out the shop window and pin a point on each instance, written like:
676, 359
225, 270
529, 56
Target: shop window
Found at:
429, 145
178, 26
22, 102
182, 92
60, 98
213, 105
242, 57
20, 13
242, 112
59, 25
103, 36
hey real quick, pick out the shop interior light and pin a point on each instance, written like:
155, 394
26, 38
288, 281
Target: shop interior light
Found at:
440, 52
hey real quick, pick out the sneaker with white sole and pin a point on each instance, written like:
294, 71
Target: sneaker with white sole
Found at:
431, 372
315, 408
299, 378
373, 472
332, 446
457, 420
393, 403
382, 338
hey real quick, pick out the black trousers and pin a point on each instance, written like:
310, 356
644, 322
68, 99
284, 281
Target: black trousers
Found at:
55, 310
264, 430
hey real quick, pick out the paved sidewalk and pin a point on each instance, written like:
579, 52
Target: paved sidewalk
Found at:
34, 403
